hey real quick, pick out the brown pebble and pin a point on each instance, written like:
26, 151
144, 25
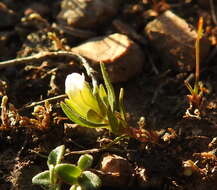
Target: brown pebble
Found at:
175, 39
117, 171
123, 57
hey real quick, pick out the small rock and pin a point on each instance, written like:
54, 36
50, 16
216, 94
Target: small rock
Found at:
8, 17
123, 57
175, 39
117, 171
87, 13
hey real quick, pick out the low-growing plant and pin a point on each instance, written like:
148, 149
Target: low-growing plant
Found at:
196, 96
48, 178
97, 107
74, 175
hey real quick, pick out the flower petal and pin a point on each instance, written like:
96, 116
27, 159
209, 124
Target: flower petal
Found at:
74, 83
80, 93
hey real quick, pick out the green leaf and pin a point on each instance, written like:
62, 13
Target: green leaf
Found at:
68, 172
83, 101
42, 178
93, 116
109, 87
90, 99
89, 181
53, 177
113, 122
121, 106
78, 106
56, 155
75, 117
85, 161
101, 102
102, 94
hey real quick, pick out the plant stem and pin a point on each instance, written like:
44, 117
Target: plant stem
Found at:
45, 55
197, 47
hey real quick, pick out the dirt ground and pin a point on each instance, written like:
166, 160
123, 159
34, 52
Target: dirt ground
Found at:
184, 156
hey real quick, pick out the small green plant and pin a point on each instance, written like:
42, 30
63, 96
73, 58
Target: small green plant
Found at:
77, 177
196, 96
74, 175
48, 178
97, 107
93, 107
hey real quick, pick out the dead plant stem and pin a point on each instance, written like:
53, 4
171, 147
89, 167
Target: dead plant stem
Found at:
213, 14
45, 55
43, 101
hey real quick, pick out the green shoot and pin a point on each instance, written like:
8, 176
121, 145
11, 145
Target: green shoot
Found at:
195, 99
98, 107
75, 175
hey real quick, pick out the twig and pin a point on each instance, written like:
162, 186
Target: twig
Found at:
107, 147
190, 77
96, 150
42, 101
45, 55
90, 71
212, 7
89, 151
39, 154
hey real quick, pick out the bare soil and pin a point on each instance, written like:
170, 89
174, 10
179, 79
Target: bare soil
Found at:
158, 94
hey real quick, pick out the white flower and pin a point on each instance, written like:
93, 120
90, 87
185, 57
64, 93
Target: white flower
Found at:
81, 98
74, 84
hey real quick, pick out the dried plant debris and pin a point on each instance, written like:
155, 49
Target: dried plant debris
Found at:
148, 49
11, 119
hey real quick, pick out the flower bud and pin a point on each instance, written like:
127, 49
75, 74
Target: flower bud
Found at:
81, 98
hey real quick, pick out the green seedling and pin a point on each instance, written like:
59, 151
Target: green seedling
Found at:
94, 107
98, 107
75, 175
48, 178
196, 96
